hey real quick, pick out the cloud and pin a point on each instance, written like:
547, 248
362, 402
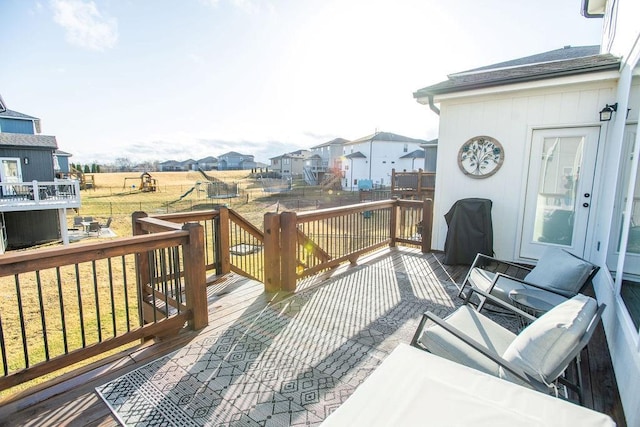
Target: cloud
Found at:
248, 6
84, 25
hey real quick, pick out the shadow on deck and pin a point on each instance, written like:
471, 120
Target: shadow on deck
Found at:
276, 359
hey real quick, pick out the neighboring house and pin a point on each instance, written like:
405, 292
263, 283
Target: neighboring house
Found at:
177, 166
559, 131
325, 166
61, 163
430, 155
207, 163
331, 153
373, 158
235, 161
32, 206
290, 164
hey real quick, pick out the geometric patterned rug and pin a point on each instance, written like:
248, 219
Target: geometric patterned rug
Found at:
294, 362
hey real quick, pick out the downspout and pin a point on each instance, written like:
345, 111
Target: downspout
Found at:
432, 106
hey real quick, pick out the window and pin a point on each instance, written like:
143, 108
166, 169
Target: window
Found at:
405, 148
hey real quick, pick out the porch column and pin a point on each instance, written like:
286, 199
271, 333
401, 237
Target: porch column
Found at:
64, 233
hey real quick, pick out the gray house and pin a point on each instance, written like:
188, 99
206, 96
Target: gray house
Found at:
32, 203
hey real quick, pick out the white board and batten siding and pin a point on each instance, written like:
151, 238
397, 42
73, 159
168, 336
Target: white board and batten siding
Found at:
510, 116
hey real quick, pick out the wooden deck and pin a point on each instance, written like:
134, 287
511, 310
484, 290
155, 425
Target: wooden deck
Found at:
233, 300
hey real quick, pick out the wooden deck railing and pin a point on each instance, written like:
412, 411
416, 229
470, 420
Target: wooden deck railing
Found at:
301, 244
418, 184
64, 305
231, 242
36, 195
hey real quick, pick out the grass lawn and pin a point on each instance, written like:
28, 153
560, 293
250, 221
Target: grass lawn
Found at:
58, 293
115, 197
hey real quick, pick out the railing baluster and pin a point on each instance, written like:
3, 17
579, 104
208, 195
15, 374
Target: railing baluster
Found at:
3, 349
63, 321
112, 297
125, 291
97, 299
43, 320
23, 331
80, 306
152, 284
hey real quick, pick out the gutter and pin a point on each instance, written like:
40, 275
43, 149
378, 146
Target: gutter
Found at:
432, 106
512, 80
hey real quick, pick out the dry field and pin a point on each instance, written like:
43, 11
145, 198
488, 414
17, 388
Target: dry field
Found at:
115, 197
50, 299
55, 292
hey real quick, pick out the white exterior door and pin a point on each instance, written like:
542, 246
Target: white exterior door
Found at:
10, 172
559, 187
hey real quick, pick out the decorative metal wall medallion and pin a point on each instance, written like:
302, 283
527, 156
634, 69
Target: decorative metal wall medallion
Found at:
480, 157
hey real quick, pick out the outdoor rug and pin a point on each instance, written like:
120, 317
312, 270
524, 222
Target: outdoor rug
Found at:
295, 361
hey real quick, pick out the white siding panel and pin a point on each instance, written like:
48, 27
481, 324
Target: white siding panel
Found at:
509, 118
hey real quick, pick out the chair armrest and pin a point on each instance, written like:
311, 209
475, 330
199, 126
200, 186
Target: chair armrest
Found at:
529, 284
522, 375
480, 261
498, 302
481, 257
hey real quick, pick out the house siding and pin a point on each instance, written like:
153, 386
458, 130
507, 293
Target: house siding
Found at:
16, 126
40, 166
510, 118
381, 158
27, 228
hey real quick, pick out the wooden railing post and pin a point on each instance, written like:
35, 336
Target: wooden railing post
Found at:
393, 223
288, 256
195, 276
272, 277
143, 273
427, 225
222, 248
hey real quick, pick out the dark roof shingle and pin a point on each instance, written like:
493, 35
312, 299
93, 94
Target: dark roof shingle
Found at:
28, 140
15, 115
497, 74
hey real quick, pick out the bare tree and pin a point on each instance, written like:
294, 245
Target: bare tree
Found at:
123, 164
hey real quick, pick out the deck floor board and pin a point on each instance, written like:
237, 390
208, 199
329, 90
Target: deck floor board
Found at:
234, 299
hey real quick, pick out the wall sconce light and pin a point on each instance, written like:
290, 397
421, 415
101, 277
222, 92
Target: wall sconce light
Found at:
26, 160
607, 112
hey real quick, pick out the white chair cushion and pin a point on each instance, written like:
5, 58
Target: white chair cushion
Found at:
544, 344
480, 328
560, 271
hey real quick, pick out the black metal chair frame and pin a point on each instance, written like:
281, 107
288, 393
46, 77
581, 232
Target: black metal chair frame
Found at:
482, 260
573, 357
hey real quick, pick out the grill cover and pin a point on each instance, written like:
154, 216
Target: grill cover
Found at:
470, 231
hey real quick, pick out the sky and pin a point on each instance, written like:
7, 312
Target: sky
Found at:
156, 80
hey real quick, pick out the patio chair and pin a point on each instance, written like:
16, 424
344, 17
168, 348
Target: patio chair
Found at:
87, 219
94, 227
77, 221
558, 275
535, 358
107, 224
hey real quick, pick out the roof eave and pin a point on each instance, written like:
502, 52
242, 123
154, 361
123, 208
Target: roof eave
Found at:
422, 93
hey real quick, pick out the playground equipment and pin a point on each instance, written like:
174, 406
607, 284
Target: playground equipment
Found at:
147, 182
275, 185
216, 188
86, 181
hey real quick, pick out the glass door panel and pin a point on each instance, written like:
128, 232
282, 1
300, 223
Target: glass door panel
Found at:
559, 190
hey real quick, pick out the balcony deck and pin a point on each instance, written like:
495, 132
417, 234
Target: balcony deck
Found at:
279, 359
32, 196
